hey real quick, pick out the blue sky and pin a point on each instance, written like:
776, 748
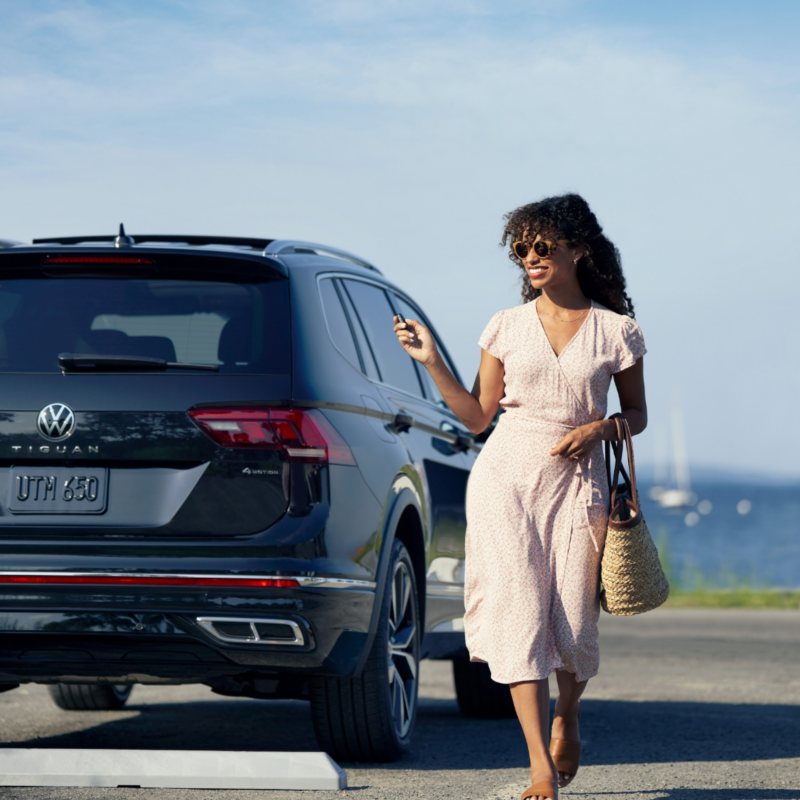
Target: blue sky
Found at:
403, 132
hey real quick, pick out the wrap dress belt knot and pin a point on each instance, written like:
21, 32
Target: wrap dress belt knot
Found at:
587, 470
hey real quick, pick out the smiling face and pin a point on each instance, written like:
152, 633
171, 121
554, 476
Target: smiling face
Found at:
555, 269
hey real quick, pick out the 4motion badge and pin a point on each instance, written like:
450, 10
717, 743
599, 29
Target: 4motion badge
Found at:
248, 471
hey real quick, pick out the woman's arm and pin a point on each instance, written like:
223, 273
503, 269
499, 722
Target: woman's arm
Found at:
630, 388
475, 409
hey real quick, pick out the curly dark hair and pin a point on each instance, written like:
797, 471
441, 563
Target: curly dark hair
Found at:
568, 216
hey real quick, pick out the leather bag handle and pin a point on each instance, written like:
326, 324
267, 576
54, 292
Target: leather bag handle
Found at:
623, 441
615, 446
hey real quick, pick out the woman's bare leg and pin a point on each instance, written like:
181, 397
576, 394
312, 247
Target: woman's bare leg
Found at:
532, 704
565, 720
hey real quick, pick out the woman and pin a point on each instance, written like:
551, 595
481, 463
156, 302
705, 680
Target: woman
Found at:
537, 498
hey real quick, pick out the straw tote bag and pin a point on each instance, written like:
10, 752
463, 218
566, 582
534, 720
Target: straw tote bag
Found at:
632, 580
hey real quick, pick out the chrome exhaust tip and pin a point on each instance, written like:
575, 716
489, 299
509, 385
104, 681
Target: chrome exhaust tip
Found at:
248, 630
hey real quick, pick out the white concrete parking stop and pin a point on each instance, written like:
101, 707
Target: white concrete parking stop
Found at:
170, 769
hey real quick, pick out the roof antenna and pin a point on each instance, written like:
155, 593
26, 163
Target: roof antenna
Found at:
123, 240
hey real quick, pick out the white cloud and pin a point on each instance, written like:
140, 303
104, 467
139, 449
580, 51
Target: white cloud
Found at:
405, 139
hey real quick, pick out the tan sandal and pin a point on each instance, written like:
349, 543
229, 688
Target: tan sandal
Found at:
566, 757
541, 789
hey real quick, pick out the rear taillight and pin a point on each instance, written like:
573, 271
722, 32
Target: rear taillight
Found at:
305, 435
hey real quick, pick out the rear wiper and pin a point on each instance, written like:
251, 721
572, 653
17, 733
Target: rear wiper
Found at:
72, 362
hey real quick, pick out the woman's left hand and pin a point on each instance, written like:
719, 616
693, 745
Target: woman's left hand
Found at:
579, 442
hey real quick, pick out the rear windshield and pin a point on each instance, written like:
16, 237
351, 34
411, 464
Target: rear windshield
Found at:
243, 327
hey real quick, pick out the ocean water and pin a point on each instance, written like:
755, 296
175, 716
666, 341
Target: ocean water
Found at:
724, 547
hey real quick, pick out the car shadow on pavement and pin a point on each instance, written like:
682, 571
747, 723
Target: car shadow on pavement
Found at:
694, 794
217, 724
614, 732
624, 732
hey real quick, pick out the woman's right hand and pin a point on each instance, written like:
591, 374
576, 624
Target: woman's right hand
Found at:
416, 340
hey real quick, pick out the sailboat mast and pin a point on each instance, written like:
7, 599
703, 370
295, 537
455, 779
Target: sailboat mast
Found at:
679, 454
661, 459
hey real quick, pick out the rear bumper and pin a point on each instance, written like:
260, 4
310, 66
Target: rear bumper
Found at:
128, 634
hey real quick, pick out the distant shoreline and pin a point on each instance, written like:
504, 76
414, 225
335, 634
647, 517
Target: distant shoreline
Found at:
715, 475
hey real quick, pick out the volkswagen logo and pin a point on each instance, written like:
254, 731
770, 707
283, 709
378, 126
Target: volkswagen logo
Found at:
56, 422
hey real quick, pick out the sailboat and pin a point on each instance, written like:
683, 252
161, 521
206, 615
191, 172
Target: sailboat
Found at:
678, 495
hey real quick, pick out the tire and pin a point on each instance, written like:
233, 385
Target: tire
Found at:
478, 695
90, 696
371, 718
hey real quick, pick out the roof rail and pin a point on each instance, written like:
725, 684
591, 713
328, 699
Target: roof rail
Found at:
290, 246
270, 247
141, 238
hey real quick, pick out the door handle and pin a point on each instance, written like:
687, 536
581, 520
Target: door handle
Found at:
401, 423
462, 444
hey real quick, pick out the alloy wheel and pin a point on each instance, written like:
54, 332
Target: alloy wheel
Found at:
403, 655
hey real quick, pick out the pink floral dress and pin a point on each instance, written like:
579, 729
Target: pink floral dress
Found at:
536, 523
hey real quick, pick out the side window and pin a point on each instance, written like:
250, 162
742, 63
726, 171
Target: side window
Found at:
431, 389
338, 325
396, 367
368, 361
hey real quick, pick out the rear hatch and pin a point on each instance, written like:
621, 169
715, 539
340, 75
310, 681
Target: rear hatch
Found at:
111, 446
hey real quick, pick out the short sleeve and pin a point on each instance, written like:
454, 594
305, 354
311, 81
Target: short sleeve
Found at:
631, 345
490, 338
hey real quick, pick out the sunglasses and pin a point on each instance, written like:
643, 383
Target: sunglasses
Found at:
543, 248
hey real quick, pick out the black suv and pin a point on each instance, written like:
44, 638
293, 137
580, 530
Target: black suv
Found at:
218, 466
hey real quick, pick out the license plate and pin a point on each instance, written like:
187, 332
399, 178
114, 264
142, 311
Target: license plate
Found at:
57, 490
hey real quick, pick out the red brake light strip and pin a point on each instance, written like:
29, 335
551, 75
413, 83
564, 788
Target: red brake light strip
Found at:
96, 260
151, 580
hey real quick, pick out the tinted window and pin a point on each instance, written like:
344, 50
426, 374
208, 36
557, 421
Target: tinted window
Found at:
338, 324
241, 327
369, 367
431, 390
395, 365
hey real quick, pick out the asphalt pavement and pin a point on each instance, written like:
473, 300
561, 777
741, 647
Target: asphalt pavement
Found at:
689, 705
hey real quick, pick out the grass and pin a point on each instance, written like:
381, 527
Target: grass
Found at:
742, 597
